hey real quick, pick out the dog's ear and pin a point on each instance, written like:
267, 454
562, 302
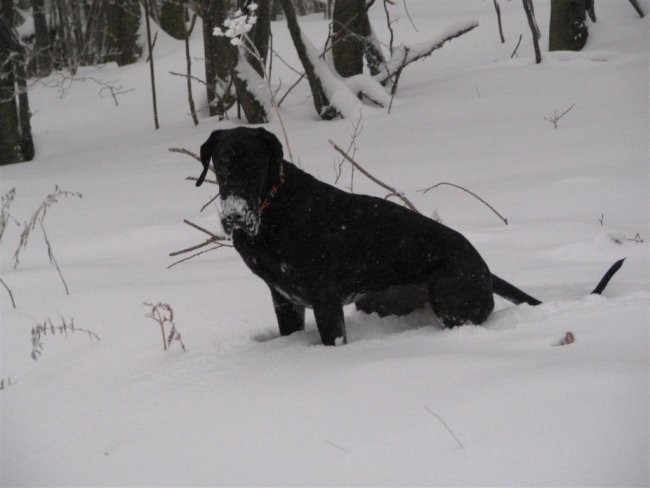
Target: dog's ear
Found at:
272, 142
207, 148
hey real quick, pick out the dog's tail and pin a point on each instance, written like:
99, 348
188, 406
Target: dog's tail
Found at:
511, 293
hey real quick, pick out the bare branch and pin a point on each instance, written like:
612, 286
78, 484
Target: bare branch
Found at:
390, 189
182, 150
555, 118
505, 220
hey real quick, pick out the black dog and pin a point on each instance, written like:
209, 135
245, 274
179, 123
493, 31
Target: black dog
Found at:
317, 246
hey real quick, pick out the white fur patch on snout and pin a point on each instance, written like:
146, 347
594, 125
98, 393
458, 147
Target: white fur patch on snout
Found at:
236, 213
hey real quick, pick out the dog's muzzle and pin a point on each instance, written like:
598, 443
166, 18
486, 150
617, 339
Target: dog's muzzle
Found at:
236, 213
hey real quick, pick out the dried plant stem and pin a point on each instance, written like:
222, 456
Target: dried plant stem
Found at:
434, 414
389, 188
505, 220
555, 118
50, 254
162, 314
11, 295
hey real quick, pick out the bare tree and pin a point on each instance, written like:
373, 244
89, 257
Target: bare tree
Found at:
534, 29
42, 45
321, 103
16, 142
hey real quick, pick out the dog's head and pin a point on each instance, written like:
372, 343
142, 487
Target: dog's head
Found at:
243, 160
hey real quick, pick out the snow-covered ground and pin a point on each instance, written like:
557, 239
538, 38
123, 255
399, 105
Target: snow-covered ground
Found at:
405, 402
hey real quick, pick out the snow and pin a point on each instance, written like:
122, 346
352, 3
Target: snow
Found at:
405, 402
256, 85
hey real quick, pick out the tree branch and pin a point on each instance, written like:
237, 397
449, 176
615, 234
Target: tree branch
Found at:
505, 220
389, 188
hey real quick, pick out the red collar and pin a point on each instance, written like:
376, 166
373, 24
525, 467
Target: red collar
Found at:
274, 189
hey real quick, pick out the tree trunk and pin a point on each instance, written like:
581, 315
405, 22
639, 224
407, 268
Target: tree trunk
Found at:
42, 44
172, 18
568, 27
16, 143
253, 110
122, 24
347, 43
220, 59
321, 103
534, 29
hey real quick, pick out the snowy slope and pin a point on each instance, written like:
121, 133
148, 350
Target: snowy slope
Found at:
405, 402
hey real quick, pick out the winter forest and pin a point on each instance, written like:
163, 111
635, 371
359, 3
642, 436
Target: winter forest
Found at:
138, 349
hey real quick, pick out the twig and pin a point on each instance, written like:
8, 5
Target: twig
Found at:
302, 77
505, 220
218, 246
389, 25
408, 15
205, 231
50, 254
182, 150
11, 295
555, 118
392, 190
336, 446
358, 127
514, 53
460, 444
498, 10
191, 77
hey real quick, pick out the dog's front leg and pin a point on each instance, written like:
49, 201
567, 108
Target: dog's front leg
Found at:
330, 321
291, 317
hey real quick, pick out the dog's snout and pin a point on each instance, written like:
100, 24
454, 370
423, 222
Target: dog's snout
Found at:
233, 218
237, 214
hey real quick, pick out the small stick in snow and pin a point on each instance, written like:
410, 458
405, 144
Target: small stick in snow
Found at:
11, 295
514, 53
555, 118
460, 444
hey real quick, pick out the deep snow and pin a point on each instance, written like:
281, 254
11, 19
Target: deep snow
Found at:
244, 407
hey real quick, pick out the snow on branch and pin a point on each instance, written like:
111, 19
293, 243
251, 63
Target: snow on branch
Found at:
407, 53
341, 98
255, 84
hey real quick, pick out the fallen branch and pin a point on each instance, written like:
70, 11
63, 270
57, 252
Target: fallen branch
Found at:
505, 220
392, 191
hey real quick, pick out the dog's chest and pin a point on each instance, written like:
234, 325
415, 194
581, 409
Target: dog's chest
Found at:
290, 277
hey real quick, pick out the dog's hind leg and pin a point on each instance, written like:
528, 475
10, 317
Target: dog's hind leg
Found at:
461, 294
330, 322
291, 317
